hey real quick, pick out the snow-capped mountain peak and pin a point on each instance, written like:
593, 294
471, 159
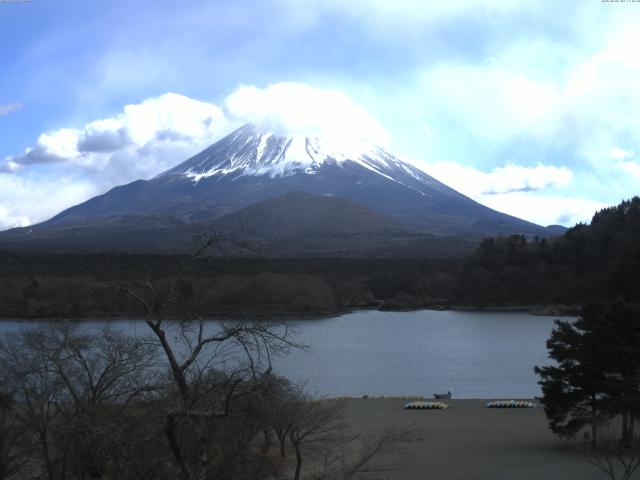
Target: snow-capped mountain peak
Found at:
255, 151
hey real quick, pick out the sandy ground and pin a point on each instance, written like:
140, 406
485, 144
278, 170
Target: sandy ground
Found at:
468, 441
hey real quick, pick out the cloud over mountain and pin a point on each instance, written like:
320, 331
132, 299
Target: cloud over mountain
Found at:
149, 137
296, 108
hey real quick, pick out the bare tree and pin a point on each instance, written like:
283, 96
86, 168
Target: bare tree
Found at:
72, 390
347, 456
102, 375
211, 365
311, 421
10, 436
37, 390
317, 427
617, 459
109, 367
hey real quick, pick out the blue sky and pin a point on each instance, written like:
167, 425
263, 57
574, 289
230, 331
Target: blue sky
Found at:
527, 106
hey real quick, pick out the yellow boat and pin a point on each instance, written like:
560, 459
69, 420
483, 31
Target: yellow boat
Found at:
426, 406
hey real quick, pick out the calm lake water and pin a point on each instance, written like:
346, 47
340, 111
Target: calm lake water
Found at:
472, 354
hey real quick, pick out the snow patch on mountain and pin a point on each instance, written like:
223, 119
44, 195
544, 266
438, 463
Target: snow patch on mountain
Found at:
253, 151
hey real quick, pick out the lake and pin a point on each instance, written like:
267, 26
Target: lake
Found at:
472, 354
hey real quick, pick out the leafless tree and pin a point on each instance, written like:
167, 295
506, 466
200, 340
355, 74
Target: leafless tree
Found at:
102, 375
617, 459
72, 390
37, 390
311, 421
347, 456
316, 429
211, 365
11, 461
108, 367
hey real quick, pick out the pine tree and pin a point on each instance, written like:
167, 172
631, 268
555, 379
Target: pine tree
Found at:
597, 375
572, 389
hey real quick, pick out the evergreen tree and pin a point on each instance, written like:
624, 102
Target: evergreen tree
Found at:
597, 375
617, 329
572, 389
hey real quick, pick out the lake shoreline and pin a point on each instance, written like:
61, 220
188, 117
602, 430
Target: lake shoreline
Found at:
423, 398
536, 310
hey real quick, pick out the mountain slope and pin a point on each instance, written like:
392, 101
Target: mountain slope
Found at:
299, 214
292, 225
251, 165
300, 224
344, 187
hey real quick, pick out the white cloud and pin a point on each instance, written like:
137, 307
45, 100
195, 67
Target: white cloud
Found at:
544, 209
149, 137
60, 144
631, 167
506, 179
10, 108
581, 102
498, 102
493, 102
172, 115
618, 153
26, 200
140, 142
70, 165
296, 108
518, 190
9, 166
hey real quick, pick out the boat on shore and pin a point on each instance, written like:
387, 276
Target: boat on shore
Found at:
420, 405
442, 396
510, 404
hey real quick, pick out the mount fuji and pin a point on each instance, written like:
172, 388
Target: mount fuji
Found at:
275, 187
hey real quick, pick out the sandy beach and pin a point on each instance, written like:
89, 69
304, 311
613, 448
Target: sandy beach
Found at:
470, 442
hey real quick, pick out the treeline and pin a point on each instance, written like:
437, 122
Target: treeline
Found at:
585, 263
76, 286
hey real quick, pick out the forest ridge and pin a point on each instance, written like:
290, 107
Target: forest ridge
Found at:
585, 263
